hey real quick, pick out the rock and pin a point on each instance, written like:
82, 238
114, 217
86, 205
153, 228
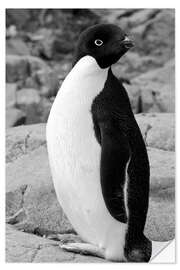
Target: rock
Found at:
31, 72
11, 31
48, 81
16, 46
24, 247
18, 17
24, 139
134, 96
113, 15
165, 98
153, 90
66, 19
160, 224
141, 16
28, 101
50, 33
164, 75
11, 89
132, 64
14, 117
159, 35
16, 68
162, 169
158, 129
27, 97
43, 212
42, 76
157, 89
38, 83
49, 43
135, 18
31, 188
35, 107
44, 109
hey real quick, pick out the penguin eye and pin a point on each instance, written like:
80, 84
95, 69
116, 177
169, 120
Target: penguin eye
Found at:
98, 42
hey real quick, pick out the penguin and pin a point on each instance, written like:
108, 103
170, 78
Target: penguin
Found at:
97, 154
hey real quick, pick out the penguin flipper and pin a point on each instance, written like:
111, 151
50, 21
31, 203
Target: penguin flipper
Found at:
117, 160
115, 155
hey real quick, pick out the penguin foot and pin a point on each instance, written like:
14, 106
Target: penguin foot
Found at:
139, 252
65, 238
83, 248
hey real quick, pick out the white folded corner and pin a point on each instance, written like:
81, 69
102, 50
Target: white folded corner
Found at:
163, 252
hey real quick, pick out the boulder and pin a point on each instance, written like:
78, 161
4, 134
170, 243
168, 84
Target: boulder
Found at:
162, 170
43, 212
23, 247
158, 129
16, 68
18, 17
26, 105
29, 187
159, 35
154, 89
23, 140
11, 89
31, 72
14, 117
11, 31
28, 101
160, 223
157, 89
132, 65
42, 76
141, 16
16, 46
27, 97
164, 75
44, 109
50, 43
114, 15
48, 82
65, 19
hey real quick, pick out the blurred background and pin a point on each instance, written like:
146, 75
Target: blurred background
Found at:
39, 48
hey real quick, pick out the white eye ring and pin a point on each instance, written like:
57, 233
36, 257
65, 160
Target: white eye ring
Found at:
98, 42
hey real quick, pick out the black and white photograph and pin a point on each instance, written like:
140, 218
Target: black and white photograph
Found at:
89, 134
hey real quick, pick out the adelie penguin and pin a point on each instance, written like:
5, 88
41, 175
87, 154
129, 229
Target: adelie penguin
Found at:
97, 155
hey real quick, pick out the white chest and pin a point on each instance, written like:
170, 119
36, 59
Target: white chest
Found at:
73, 150
70, 122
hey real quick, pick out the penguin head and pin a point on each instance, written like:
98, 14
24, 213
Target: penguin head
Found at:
106, 43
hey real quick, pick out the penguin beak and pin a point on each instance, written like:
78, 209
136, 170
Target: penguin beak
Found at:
127, 43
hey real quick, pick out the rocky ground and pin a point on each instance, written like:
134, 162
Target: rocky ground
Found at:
39, 48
